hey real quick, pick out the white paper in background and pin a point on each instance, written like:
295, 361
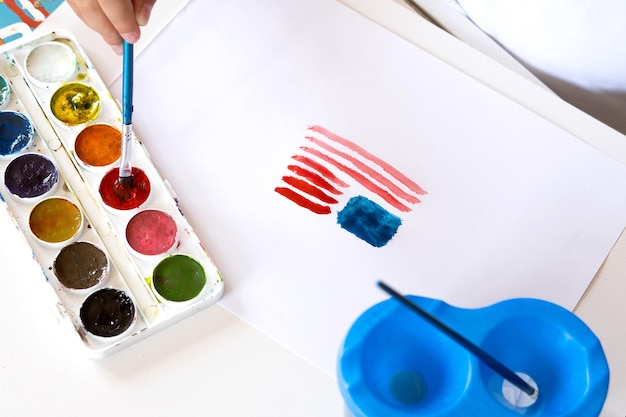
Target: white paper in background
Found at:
516, 207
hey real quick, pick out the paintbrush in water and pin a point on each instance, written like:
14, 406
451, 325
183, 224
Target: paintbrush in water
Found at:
478, 352
125, 183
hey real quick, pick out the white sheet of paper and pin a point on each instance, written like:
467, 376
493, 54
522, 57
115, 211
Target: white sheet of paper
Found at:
516, 207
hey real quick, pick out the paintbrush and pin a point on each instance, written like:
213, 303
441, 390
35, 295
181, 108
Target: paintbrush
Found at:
481, 354
125, 180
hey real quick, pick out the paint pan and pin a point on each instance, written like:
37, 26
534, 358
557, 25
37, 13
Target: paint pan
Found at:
81, 266
75, 104
16, 132
31, 176
51, 63
178, 279
151, 233
5, 92
55, 221
121, 268
117, 197
98, 145
107, 313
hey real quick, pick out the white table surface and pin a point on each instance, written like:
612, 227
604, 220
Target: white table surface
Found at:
229, 368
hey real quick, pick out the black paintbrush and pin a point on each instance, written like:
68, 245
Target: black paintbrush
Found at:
481, 354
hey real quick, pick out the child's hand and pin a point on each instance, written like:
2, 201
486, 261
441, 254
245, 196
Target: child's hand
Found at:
114, 20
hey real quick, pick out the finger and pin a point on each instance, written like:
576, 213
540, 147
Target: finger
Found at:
121, 14
94, 17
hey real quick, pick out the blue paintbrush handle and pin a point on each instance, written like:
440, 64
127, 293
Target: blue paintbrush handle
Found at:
127, 84
127, 111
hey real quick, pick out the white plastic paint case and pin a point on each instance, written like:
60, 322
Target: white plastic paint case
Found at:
104, 227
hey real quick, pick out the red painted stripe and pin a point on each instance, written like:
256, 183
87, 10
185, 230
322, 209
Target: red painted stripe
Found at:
302, 201
311, 190
314, 178
368, 170
360, 178
326, 173
384, 165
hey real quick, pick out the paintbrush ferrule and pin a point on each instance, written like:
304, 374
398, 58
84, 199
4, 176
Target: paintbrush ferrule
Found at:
126, 169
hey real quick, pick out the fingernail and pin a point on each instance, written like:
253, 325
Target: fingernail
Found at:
130, 37
144, 14
118, 49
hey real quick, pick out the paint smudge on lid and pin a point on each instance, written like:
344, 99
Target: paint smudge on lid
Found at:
51, 62
107, 312
75, 104
98, 145
30, 176
131, 198
16, 132
178, 278
55, 220
81, 265
152, 232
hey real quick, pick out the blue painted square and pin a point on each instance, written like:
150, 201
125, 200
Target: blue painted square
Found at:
368, 221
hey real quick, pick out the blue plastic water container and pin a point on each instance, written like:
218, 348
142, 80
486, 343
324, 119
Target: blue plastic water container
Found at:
394, 363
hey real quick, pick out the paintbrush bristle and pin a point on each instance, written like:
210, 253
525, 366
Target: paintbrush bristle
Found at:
124, 188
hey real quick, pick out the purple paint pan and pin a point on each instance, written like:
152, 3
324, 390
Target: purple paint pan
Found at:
31, 176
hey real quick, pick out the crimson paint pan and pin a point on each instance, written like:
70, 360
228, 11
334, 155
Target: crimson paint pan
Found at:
151, 233
30, 177
16, 132
117, 197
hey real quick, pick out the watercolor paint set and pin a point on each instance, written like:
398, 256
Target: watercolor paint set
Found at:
122, 265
